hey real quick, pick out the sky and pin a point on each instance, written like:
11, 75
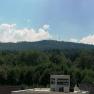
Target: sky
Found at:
34, 20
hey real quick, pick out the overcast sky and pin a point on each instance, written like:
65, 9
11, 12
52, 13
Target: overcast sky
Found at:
33, 20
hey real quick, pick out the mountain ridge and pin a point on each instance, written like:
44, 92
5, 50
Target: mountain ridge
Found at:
44, 45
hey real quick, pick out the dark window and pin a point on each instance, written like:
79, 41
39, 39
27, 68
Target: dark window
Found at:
62, 81
52, 81
61, 89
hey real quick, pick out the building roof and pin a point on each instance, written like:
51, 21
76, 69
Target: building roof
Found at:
60, 76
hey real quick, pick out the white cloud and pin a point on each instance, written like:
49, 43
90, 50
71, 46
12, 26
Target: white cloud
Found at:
7, 27
46, 27
9, 33
86, 40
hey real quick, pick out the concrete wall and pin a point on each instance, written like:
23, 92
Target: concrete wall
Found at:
57, 86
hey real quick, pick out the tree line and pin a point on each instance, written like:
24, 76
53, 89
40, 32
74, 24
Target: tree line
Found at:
33, 68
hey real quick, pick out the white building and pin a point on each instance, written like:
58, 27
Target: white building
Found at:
59, 84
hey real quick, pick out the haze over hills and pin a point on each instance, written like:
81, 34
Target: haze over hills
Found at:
44, 45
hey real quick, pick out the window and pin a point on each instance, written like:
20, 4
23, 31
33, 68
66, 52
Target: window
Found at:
52, 81
61, 89
63, 82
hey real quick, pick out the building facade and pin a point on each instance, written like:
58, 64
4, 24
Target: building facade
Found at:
60, 83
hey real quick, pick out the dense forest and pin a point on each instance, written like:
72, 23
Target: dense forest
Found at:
34, 67
44, 45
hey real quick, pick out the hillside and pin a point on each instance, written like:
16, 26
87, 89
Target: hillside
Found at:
31, 63
44, 45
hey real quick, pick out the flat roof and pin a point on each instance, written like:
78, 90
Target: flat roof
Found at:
60, 76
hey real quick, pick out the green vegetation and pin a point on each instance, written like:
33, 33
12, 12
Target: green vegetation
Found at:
32, 64
45, 45
33, 68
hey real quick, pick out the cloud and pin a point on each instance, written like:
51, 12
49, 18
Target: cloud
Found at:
86, 40
46, 27
10, 33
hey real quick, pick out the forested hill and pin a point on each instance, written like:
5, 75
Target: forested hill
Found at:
44, 45
31, 63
